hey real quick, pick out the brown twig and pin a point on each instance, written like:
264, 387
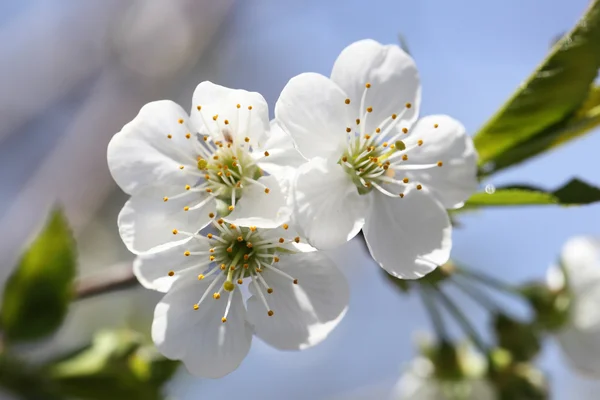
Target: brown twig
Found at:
117, 277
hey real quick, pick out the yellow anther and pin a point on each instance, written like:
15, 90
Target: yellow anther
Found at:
405, 180
198, 108
270, 313
229, 286
186, 253
202, 164
404, 130
385, 144
281, 240
420, 142
267, 190
234, 164
401, 195
215, 117
249, 107
226, 122
171, 273
419, 187
270, 290
180, 121
367, 137
392, 146
240, 281
246, 266
187, 135
285, 226
212, 250
408, 105
374, 159
295, 281
297, 239
223, 320
211, 258
386, 167
181, 167
369, 109
344, 159
246, 257
266, 154
394, 116
205, 138
249, 245
229, 249
196, 307
187, 187
238, 106
239, 184
230, 208
216, 296
222, 266
378, 130
211, 215
169, 136
439, 163
210, 236
258, 270
200, 277
276, 259
348, 130
253, 228
404, 157
367, 85
186, 208
347, 101
219, 173
165, 199
216, 157
246, 139
175, 231
357, 121
435, 125
220, 221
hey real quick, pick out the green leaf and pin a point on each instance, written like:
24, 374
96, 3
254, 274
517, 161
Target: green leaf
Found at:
575, 192
555, 90
118, 365
584, 121
37, 294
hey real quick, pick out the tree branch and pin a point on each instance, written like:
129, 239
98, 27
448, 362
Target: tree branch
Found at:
117, 277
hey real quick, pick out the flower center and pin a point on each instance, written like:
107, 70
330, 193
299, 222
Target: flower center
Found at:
238, 254
373, 159
224, 167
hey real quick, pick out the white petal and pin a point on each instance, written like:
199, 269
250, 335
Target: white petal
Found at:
311, 109
220, 101
263, 210
582, 348
456, 180
146, 221
152, 269
328, 211
580, 257
142, 154
208, 347
303, 314
282, 152
408, 237
393, 77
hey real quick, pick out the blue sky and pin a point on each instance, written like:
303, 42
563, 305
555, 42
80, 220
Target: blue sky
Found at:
471, 56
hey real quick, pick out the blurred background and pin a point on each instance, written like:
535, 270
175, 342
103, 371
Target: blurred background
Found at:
72, 73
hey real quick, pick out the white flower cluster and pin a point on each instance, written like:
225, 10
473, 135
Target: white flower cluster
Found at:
224, 200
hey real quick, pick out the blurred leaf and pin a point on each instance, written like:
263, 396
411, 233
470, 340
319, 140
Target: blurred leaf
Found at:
555, 90
24, 382
584, 121
575, 192
118, 365
37, 294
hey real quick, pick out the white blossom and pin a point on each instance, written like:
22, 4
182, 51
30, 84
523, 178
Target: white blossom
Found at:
371, 164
